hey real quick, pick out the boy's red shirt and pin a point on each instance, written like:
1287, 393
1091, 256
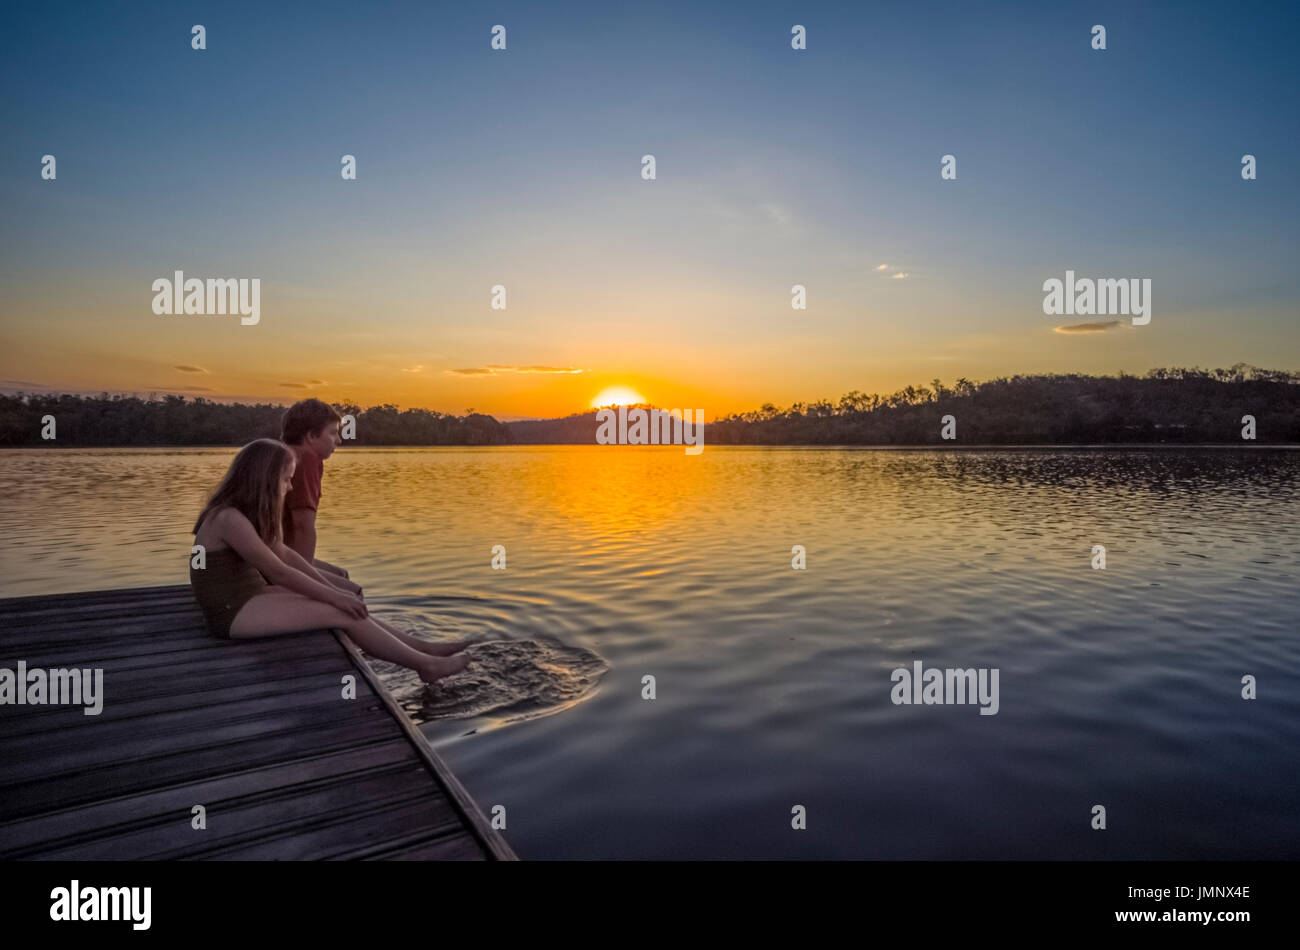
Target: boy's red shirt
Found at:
306, 488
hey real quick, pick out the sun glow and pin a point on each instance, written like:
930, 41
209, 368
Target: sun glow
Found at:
617, 396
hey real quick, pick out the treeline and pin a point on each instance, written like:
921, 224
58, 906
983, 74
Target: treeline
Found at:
175, 420
1165, 405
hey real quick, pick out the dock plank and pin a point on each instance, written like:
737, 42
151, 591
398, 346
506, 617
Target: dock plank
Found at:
256, 731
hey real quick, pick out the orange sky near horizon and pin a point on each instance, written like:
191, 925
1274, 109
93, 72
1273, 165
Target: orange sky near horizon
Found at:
551, 373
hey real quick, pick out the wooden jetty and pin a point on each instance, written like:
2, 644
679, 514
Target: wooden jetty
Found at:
256, 731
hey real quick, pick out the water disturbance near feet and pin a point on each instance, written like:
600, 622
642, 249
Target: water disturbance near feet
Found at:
507, 681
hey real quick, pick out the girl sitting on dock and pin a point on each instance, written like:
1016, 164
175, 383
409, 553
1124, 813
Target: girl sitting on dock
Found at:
253, 585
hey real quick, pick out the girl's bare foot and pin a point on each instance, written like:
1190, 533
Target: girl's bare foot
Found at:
437, 667
443, 649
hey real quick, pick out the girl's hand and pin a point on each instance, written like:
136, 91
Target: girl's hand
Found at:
350, 604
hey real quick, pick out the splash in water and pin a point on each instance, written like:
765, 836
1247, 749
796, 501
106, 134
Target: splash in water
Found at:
507, 681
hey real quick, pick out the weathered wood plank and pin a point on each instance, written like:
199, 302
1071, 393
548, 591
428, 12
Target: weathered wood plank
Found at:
309, 676
255, 730
178, 650
81, 611
122, 738
455, 847
134, 595
339, 835
77, 788
174, 625
58, 828
244, 823
168, 746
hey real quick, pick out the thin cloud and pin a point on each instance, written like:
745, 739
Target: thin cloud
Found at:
882, 267
190, 369
295, 385
414, 369
1088, 327
901, 275
494, 370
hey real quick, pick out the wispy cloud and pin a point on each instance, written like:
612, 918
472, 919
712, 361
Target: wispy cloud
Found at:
901, 275
493, 370
294, 385
775, 212
414, 369
190, 369
1088, 327
882, 267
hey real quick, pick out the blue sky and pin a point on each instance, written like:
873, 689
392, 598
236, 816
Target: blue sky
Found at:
522, 167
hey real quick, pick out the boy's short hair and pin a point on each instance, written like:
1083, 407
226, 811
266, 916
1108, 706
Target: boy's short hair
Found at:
305, 418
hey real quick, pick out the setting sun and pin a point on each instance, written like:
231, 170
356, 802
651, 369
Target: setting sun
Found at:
617, 396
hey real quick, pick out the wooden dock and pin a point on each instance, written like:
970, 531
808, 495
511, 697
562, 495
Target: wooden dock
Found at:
255, 731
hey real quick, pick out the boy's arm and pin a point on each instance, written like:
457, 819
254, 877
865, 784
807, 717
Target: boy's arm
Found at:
328, 568
294, 559
304, 532
304, 545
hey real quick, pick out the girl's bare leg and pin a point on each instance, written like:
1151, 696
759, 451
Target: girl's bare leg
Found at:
415, 643
424, 646
281, 612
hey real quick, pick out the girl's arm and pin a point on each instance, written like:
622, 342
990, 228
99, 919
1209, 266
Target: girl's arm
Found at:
238, 532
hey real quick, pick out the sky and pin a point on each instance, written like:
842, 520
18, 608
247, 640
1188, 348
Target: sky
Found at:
522, 168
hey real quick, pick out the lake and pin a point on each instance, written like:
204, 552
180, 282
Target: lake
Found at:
1119, 687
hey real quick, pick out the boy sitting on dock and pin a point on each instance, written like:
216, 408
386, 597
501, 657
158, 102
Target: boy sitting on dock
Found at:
311, 430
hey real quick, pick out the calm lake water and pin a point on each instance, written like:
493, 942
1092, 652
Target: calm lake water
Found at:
1120, 687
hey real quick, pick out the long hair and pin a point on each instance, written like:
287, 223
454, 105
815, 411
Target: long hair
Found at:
252, 486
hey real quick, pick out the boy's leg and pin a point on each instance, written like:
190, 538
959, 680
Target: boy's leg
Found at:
325, 567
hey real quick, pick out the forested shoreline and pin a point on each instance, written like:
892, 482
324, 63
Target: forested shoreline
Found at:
1164, 405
